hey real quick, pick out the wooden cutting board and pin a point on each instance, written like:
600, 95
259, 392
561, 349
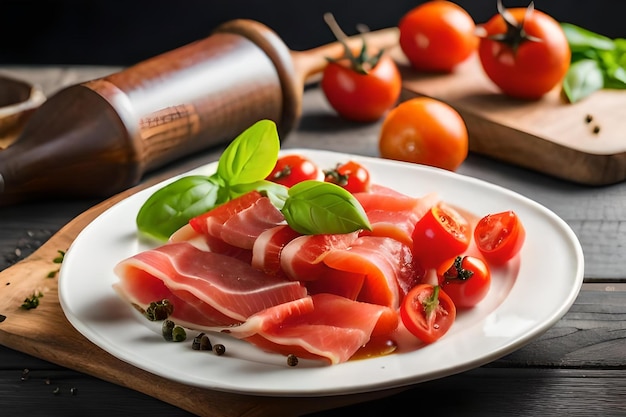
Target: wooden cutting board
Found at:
550, 135
45, 333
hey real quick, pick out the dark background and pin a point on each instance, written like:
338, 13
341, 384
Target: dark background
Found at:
111, 32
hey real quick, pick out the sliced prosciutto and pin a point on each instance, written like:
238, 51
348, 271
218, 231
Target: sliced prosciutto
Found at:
323, 327
302, 258
240, 221
386, 266
210, 243
206, 288
394, 214
268, 248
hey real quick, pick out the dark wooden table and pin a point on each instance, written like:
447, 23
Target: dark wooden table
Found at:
577, 368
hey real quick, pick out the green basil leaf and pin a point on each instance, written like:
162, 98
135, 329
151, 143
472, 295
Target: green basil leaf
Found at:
171, 207
614, 72
581, 39
317, 207
251, 156
277, 193
582, 79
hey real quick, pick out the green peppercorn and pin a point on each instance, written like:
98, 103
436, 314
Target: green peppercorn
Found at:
179, 334
195, 344
159, 310
205, 343
168, 330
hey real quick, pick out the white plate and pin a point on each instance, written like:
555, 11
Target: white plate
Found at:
525, 300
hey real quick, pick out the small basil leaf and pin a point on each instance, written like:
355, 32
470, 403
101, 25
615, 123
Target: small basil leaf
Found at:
582, 79
277, 193
317, 207
171, 207
251, 156
581, 39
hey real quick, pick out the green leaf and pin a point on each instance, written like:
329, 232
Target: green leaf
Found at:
317, 207
171, 207
582, 79
251, 156
581, 39
277, 193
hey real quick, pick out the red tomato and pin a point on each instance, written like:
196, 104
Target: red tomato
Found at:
499, 236
466, 279
292, 169
425, 131
528, 61
439, 235
437, 36
362, 95
427, 312
351, 175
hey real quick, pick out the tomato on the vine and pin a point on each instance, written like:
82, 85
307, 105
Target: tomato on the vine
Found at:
499, 236
524, 52
466, 279
362, 95
361, 87
439, 234
425, 131
292, 169
350, 175
437, 36
427, 312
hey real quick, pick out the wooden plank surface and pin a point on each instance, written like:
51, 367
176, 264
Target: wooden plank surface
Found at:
578, 362
548, 135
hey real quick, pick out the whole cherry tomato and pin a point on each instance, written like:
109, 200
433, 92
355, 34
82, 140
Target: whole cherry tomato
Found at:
427, 312
524, 52
425, 131
350, 175
365, 94
439, 234
499, 236
466, 279
437, 36
292, 169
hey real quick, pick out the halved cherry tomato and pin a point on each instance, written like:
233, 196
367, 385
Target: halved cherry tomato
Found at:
437, 36
350, 175
427, 312
425, 131
292, 169
524, 52
439, 235
499, 236
466, 279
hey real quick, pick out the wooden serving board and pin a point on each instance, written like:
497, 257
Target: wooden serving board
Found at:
549, 135
45, 333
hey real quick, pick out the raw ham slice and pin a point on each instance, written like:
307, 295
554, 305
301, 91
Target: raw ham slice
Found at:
302, 258
206, 242
393, 214
243, 229
240, 221
268, 248
386, 265
219, 290
323, 326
